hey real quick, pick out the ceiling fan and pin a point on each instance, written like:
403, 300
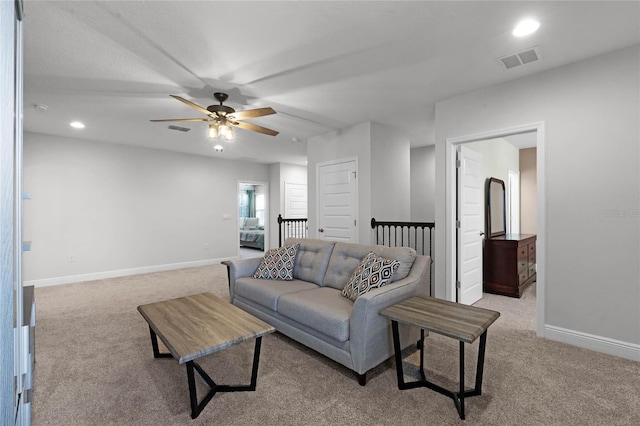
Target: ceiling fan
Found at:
223, 117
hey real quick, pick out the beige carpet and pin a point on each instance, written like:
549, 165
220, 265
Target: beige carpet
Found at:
94, 366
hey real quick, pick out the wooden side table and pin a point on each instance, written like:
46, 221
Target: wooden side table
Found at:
461, 322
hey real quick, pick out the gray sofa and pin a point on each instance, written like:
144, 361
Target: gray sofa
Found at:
311, 309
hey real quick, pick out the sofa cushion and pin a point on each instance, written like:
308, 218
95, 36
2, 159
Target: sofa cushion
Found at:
322, 309
373, 271
312, 259
277, 263
267, 292
346, 257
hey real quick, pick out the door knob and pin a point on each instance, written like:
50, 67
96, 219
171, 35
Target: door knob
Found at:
321, 230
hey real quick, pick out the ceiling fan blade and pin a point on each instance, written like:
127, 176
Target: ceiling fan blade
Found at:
252, 113
192, 105
253, 127
183, 119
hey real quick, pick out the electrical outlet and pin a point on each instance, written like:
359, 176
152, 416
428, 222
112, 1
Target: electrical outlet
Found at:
206, 246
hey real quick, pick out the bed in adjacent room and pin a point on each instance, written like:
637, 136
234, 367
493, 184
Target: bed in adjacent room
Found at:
251, 234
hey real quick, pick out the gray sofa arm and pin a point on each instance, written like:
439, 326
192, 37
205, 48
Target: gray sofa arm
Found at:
370, 332
239, 268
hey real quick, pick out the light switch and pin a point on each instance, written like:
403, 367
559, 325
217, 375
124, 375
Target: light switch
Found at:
226, 216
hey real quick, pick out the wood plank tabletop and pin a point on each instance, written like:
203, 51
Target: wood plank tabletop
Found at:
198, 325
461, 322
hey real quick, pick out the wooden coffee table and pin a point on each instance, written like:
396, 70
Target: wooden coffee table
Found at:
460, 322
194, 326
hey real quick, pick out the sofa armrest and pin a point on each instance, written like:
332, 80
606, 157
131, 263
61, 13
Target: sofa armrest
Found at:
368, 329
239, 268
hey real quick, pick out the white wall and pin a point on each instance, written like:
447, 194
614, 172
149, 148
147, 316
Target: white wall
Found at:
423, 184
498, 157
119, 209
528, 188
591, 112
390, 174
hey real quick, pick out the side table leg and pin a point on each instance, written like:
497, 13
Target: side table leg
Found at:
461, 395
398, 354
480, 365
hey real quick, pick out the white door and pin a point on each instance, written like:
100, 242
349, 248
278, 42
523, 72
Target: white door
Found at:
295, 200
470, 229
337, 201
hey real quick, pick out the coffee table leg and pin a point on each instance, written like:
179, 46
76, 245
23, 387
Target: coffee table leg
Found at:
196, 408
256, 361
154, 345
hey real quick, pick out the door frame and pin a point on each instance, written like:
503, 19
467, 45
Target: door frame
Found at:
450, 208
267, 227
357, 185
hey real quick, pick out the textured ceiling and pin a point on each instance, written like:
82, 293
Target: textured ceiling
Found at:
322, 66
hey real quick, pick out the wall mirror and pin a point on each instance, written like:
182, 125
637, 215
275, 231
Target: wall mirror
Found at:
496, 211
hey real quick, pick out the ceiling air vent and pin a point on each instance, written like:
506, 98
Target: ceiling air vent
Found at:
520, 58
181, 129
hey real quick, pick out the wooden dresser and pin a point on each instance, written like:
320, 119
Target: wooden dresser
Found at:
509, 264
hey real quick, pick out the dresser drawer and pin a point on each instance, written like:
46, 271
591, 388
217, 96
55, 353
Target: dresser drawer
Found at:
523, 265
524, 276
531, 248
523, 252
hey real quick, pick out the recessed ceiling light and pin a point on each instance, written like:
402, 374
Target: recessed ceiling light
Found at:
526, 27
77, 125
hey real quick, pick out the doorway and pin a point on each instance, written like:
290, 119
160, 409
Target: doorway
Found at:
253, 220
451, 260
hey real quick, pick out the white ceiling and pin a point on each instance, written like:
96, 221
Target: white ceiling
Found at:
322, 66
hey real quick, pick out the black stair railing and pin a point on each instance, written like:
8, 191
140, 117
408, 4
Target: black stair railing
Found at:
418, 235
291, 228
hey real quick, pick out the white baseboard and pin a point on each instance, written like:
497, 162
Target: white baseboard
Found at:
122, 272
595, 343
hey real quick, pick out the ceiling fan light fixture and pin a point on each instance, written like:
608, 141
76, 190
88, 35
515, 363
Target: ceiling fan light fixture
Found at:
226, 132
212, 132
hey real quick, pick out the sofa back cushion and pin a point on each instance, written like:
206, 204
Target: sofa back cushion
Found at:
312, 259
346, 257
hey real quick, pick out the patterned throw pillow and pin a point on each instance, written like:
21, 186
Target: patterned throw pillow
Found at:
373, 272
277, 264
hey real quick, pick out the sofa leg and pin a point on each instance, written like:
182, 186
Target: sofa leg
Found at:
362, 379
